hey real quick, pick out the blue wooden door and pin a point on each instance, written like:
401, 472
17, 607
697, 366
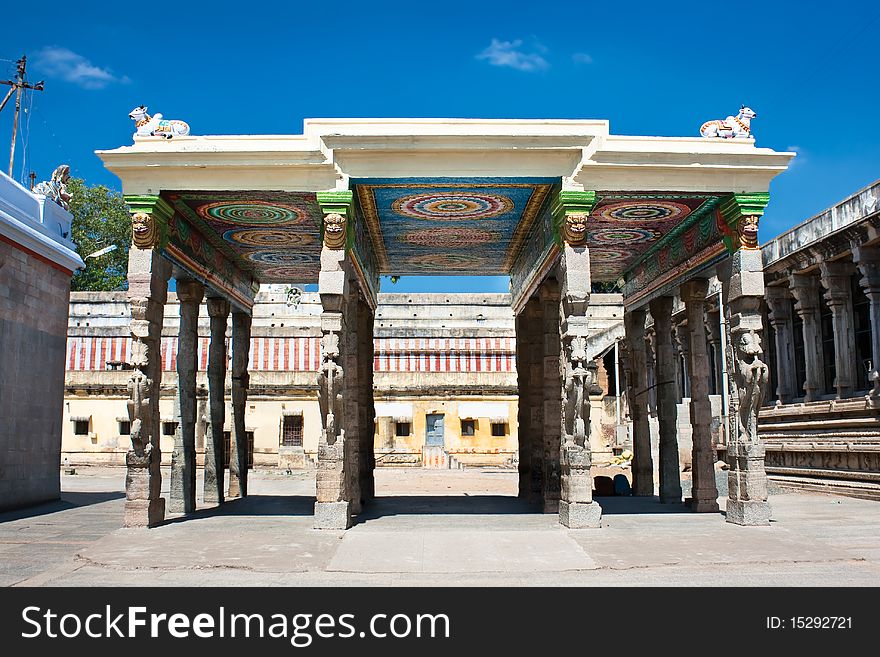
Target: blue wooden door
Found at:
434, 430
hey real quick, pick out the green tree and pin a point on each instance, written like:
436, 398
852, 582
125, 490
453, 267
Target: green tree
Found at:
100, 219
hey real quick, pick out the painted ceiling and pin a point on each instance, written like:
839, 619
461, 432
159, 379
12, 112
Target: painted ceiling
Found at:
472, 226
625, 227
273, 235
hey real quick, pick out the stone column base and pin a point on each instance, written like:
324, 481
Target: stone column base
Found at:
332, 515
576, 515
748, 512
144, 513
211, 497
702, 506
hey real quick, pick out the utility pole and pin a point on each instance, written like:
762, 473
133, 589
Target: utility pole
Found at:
16, 86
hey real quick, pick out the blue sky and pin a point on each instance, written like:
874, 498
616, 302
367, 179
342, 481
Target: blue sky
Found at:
650, 68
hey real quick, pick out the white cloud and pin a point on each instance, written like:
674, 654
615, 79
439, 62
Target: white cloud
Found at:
581, 58
63, 63
508, 53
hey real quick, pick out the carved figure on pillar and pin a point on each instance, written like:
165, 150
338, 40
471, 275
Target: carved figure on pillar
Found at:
139, 387
330, 386
752, 378
578, 380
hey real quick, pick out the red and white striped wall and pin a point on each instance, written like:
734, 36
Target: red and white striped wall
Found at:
293, 354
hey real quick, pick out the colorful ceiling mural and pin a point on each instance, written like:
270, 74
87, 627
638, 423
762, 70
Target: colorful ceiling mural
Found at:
459, 226
275, 236
625, 227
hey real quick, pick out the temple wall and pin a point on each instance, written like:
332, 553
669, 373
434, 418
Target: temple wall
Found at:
36, 263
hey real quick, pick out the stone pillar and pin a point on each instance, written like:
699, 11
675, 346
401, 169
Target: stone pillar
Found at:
367, 417
836, 278
681, 345
333, 497
577, 509
713, 336
238, 442
868, 260
534, 349
148, 274
805, 290
182, 497
549, 298
642, 463
670, 479
218, 310
704, 496
523, 410
747, 480
778, 301
351, 393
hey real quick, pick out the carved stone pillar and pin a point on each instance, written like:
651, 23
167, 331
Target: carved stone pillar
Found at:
576, 506
534, 327
523, 415
148, 274
352, 399
836, 278
642, 463
681, 345
549, 299
704, 495
367, 413
238, 441
670, 478
713, 336
333, 497
868, 260
805, 290
182, 497
747, 480
218, 310
779, 301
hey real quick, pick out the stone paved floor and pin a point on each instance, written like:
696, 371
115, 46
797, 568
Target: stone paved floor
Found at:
432, 528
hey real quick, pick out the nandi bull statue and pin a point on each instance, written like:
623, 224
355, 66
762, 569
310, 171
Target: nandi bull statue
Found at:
155, 125
731, 127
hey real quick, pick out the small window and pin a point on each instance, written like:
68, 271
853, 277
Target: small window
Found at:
292, 431
402, 429
169, 428
81, 427
468, 427
499, 429
124, 428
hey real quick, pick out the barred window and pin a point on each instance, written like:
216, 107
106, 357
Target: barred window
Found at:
499, 429
81, 427
468, 427
402, 428
292, 431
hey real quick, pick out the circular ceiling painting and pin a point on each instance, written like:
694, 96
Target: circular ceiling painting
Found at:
622, 235
610, 255
266, 237
256, 213
643, 211
280, 257
449, 237
444, 261
452, 206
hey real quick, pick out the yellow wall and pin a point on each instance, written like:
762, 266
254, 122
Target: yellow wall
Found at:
483, 442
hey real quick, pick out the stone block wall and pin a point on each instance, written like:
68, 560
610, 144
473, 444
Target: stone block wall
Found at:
34, 296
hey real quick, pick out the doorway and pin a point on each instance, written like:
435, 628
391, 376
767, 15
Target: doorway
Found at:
434, 430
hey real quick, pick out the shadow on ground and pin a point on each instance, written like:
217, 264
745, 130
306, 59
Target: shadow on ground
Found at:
255, 505
637, 506
67, 501
408, 505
